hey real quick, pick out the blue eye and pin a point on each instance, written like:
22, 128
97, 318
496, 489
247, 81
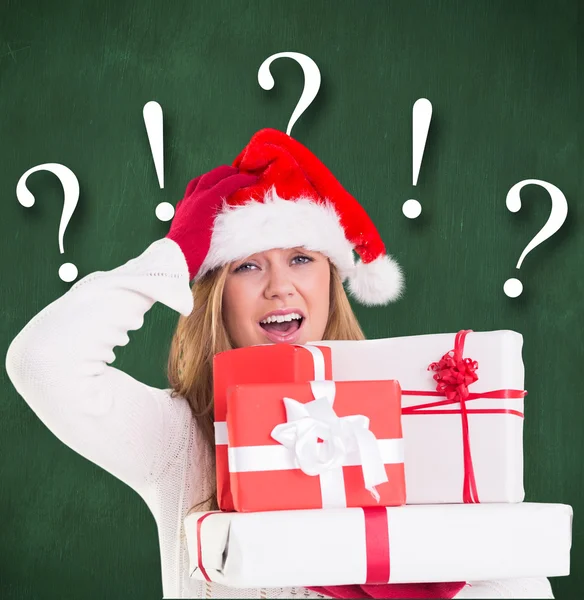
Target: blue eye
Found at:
241, 267
308, 259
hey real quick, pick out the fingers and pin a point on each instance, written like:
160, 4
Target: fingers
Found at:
221, 182
213, 177
232, 184
191, 186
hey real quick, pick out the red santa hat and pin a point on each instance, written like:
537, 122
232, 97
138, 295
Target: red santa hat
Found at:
297, 201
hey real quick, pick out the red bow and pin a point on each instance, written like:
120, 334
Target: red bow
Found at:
453, 372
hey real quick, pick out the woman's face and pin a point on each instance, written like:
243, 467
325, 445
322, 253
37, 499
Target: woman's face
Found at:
293, 282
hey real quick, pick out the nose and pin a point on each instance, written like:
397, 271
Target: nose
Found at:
279, 282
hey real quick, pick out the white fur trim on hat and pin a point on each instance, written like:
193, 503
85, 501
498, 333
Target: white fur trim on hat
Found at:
242, 230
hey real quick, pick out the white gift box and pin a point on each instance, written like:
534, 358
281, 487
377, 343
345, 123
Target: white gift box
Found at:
433, 442
404, 544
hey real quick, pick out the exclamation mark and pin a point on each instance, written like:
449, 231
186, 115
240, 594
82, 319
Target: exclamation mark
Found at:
421, 117
153, 120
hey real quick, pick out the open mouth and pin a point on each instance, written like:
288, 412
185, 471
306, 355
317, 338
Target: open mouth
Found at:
284, 331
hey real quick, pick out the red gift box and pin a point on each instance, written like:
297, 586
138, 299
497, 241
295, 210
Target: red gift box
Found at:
269, 363
321, 444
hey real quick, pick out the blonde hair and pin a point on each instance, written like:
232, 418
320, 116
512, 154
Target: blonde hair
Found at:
203, 334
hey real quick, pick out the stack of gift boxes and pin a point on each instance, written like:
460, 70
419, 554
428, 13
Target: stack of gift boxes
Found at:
381, 461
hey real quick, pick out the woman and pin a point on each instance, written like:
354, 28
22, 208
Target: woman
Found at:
262, 246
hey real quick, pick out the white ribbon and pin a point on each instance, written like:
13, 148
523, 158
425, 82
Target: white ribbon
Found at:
341, 437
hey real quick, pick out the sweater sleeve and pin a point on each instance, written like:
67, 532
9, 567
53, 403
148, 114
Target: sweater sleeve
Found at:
59, 363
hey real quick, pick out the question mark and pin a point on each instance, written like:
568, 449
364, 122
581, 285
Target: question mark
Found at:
513, 287
68, 271
311, 81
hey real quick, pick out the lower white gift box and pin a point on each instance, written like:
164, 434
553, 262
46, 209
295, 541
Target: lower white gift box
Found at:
404, 544
470, 451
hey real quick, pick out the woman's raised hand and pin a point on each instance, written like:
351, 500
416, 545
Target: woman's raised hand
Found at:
194, 215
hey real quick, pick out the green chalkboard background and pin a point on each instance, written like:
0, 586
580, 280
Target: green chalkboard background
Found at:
507, 96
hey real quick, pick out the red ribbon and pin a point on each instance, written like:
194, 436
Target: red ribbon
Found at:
199, 549
454, 374
377, 544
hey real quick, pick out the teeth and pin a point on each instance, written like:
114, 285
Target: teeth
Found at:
282, 318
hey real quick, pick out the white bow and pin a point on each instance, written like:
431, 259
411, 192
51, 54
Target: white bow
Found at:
341, 436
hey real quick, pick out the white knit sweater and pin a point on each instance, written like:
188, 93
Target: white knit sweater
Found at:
60, 364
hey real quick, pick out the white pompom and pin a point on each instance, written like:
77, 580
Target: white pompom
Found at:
378, 282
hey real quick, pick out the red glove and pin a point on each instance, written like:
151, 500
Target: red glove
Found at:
194, 215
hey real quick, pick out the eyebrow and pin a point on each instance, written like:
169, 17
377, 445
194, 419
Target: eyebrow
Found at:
301, 249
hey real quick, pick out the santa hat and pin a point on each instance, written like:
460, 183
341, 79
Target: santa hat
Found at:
297, 201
